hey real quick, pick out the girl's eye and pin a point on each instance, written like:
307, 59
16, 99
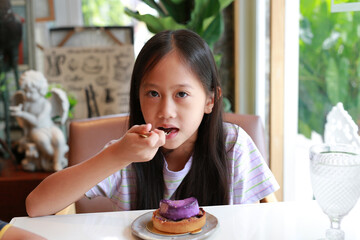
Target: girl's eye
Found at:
153, 94
182, 94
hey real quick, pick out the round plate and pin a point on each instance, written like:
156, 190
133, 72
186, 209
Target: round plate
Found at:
138, 228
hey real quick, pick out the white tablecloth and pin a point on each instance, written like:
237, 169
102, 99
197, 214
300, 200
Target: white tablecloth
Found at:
270, 221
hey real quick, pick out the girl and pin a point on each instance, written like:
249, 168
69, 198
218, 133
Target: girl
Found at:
177, 145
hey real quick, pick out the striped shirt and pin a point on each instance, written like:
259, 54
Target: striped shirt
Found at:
250, 178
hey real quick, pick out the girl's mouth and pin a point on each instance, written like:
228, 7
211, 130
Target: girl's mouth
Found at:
168, 131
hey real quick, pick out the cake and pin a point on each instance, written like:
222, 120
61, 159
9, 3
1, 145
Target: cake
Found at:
179, 216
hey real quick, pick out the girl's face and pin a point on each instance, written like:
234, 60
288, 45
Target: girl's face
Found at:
173, 99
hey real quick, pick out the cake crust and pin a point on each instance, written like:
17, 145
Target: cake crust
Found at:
182, 226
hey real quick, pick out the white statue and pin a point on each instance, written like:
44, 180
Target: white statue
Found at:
44, 143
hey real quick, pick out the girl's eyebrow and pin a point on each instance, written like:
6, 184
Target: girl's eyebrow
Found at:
175, 86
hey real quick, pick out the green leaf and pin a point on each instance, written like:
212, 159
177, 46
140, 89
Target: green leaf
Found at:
179, 1
213, 32
343, 81
179, 10
156, 24
203, 9
154, 5
226, 105
331, 40
306, 34
225, 3
304, 129
332, 83
217, 58
307, 7
358, 67
357, 100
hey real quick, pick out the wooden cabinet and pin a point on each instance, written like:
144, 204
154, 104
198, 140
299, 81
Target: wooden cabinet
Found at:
15, 185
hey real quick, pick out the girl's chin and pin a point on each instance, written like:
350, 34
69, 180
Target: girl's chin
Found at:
168, 147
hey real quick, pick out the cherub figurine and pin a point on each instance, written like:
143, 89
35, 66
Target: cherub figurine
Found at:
44, 143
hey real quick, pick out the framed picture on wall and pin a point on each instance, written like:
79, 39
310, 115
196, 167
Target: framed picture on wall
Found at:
93, 64
44, 10
91, 36
23, 12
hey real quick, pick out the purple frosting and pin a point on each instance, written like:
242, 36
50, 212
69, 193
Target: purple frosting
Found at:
179, 209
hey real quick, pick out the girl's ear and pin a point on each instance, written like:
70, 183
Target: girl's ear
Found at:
209, 104
210, 101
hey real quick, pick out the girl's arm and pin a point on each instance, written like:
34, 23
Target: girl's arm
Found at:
67, 186
15, 233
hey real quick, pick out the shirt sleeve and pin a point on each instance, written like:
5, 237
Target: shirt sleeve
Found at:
120, 188
251, 178
3, 227
106, 187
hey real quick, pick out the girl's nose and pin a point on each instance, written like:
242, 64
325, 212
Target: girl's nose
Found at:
166, 109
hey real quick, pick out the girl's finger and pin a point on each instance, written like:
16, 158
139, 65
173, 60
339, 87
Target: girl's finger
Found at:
161, 134
140, 129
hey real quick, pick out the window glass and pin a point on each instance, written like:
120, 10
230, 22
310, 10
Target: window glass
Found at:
329, 67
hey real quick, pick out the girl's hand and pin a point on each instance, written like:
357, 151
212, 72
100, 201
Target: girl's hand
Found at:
134, 148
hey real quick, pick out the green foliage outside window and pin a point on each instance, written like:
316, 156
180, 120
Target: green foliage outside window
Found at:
329, 68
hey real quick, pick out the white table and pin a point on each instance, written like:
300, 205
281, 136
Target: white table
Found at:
283, 220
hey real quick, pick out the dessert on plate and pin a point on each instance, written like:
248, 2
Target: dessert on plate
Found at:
179, 216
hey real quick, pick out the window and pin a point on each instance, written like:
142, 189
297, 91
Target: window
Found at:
328, 72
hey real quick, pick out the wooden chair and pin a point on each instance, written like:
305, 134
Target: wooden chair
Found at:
88, 136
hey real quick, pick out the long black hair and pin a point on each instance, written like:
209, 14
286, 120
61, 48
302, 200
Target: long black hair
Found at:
207, 179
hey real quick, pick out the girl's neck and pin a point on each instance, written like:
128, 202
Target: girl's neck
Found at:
177, 158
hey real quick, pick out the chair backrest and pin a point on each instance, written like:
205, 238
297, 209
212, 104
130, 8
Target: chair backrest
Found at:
253, 126
88, 136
